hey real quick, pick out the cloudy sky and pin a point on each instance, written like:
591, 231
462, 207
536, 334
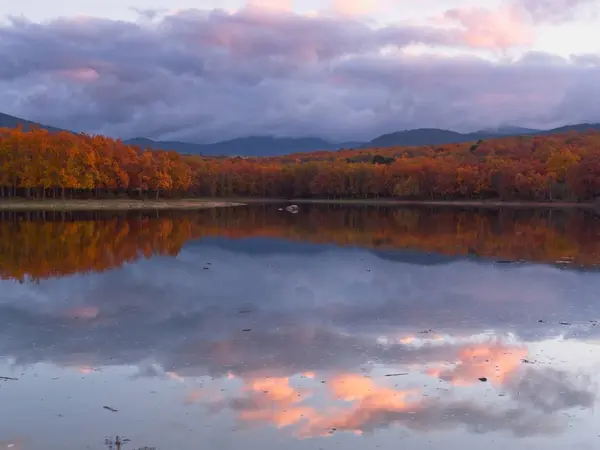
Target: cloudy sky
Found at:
207, 70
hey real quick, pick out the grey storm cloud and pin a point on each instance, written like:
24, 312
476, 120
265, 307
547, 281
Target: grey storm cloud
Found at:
210, 75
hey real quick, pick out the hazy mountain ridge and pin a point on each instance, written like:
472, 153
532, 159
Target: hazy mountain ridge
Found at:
245, 146
278, 146
7, 121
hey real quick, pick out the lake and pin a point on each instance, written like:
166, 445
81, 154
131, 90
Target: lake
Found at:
334, 328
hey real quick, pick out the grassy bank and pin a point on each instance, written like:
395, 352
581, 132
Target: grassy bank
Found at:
440, 203
204, 203
457, 203
112, 205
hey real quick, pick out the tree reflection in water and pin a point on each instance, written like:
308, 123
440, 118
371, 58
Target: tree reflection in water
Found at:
36, 246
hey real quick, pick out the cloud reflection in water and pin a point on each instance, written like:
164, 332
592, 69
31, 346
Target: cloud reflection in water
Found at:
324, 335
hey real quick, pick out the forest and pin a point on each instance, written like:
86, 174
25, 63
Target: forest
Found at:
41, 164
69, 243
561, 167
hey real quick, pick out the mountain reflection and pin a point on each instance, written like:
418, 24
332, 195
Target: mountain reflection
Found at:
37, 247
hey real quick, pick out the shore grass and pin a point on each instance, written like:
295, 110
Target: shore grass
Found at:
112, 204
204, 203
436, 203
457, 203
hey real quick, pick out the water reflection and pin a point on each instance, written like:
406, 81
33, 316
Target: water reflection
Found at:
364, 401
297, 345
66, 243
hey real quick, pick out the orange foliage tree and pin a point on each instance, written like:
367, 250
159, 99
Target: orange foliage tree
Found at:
566, 167
41, 164
531, 168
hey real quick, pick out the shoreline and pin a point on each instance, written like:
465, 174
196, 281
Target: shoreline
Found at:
206, 203
435, 203
456, 203
113, 204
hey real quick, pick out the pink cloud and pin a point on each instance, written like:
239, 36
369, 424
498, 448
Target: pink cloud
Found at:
175, 376
81, 75
274, 401
289, 38
498, 29
206, 395
497, 361
277, 5
355, 7
365, 401
82, 312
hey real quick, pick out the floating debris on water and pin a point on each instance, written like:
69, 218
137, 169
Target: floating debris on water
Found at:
9, 379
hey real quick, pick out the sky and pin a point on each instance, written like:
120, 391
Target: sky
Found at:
209, 70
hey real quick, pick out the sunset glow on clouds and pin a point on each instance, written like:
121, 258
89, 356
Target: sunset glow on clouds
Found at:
358, 403
343, 69
496, 361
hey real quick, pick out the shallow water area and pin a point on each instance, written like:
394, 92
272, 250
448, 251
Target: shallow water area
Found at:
337, 327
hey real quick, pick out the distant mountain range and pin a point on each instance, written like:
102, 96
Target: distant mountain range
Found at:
277, 146
7, 121
246, 146
435, 136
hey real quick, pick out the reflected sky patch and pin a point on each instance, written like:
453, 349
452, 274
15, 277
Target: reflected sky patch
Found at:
339, 348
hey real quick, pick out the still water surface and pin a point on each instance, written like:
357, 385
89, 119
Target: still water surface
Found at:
333, 328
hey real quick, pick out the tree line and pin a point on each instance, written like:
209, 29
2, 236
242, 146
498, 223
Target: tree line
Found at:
32, 250
41, 164
531, 168
566, 167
